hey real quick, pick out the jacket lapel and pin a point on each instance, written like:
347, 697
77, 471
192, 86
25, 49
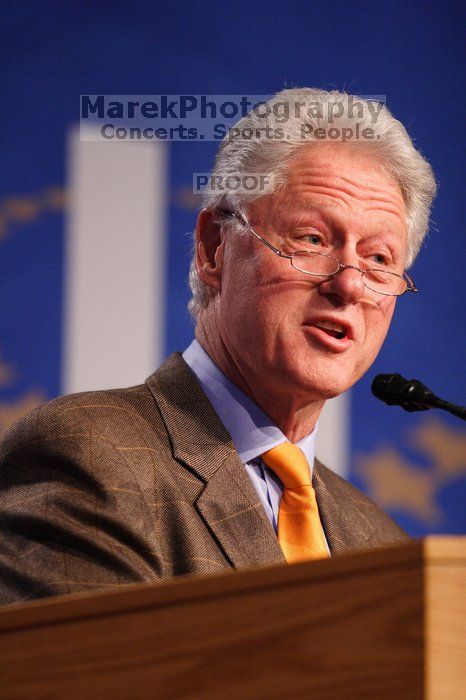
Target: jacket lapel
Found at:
343, 519
228, 504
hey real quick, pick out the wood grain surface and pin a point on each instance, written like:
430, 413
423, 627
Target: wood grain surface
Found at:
378, 624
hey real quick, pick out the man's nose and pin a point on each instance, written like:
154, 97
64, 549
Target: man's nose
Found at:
347, 285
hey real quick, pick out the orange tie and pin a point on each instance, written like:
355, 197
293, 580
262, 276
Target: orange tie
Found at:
299, 527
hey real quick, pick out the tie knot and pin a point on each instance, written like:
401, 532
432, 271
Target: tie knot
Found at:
289, 464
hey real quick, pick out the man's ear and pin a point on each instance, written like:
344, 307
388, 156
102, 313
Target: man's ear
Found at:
209, 249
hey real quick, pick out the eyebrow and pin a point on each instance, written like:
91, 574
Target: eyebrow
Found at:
330, 218
331, 222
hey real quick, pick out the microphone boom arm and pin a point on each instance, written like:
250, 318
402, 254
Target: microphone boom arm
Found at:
411, 395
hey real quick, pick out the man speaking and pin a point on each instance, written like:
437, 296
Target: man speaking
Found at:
210, 463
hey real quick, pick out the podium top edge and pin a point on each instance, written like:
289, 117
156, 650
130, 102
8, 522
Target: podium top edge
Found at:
434, 550
448, 547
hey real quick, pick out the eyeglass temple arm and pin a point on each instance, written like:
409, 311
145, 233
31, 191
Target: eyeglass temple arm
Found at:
227, 212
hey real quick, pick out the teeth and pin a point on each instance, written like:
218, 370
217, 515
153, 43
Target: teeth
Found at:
329, 326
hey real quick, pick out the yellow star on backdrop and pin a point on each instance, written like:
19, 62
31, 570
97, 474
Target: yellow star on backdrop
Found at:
7, 373
24, 209
14, 410
444, 446
185, 198
396, 484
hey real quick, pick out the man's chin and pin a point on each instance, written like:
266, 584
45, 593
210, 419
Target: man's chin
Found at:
317, 389
325, 393
320, 380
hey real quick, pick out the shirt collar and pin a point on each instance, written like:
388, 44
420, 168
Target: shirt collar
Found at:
251, 430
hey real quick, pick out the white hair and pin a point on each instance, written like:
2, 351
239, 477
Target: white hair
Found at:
309, 116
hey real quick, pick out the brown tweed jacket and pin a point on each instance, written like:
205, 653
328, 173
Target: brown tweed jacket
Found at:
142, 484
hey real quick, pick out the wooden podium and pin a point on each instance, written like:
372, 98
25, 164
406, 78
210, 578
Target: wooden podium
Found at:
387, 623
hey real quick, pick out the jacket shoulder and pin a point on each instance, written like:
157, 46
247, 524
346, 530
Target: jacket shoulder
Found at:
77, 493
105, 413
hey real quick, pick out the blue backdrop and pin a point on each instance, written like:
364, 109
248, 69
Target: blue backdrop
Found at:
413, 53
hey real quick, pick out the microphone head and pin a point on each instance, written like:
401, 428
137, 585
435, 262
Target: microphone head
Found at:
389, 388
395, 390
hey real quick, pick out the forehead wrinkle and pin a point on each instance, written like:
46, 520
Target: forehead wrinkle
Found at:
331, 197
357, 190
383, 196
327, 171
337, 216
390, 208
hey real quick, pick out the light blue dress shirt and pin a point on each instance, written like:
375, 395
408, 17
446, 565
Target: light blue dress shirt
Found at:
251, 430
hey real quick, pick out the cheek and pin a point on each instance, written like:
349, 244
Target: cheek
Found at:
386, 308
378, 322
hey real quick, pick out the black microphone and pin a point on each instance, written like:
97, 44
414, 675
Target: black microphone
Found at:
411, 395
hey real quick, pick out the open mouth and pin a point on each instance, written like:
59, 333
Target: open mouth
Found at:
332, 329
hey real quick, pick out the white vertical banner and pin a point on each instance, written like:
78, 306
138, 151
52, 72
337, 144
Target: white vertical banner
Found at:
115, 263
333, 435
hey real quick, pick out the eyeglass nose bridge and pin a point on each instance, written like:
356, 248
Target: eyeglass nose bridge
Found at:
342, 266
331, 275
